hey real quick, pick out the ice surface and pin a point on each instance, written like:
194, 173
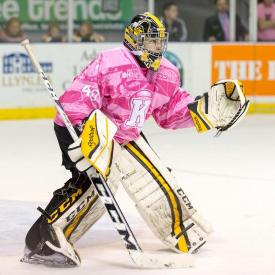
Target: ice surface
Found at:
230, 180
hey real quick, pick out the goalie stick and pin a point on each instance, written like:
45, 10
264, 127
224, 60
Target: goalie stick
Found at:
140, 258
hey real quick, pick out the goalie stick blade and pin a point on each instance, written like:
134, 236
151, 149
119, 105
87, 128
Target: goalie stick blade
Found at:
157, 261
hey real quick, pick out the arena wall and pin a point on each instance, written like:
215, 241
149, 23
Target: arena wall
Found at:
22, 95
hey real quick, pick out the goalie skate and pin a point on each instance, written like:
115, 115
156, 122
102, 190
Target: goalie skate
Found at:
54, 260
52, 250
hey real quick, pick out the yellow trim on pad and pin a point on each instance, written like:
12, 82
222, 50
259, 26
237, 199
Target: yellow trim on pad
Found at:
27, 113
204, 116
182, 245
68, 231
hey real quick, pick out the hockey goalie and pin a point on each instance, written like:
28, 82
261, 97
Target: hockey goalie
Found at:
108, 103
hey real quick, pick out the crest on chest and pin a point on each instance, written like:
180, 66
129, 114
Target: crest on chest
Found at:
139, 105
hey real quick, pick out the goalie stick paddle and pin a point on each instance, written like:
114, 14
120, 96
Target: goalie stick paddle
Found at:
140, 258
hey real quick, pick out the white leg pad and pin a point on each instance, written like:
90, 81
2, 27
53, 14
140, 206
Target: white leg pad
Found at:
160, 200
88, 209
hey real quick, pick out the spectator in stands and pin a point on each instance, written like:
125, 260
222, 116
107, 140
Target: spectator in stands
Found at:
174, 25
217, 27
266, 21
86, 33
12, 32
53, 34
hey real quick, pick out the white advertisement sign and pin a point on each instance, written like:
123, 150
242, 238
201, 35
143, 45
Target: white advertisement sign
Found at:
21, 86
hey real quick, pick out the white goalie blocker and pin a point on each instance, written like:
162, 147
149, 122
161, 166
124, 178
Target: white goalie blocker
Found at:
96, 144
160, 200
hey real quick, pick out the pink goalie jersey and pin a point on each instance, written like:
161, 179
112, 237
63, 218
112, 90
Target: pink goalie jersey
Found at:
127, 94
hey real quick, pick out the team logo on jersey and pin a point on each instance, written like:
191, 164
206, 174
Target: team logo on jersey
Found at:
139, 107
174, 59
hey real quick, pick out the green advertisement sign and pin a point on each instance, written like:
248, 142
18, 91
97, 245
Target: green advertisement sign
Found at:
35, 12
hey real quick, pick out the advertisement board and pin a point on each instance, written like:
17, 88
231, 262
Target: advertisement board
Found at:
22, 95
35, 13
253, 65
21, 86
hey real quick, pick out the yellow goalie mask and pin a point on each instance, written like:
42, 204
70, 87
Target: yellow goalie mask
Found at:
146, 38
